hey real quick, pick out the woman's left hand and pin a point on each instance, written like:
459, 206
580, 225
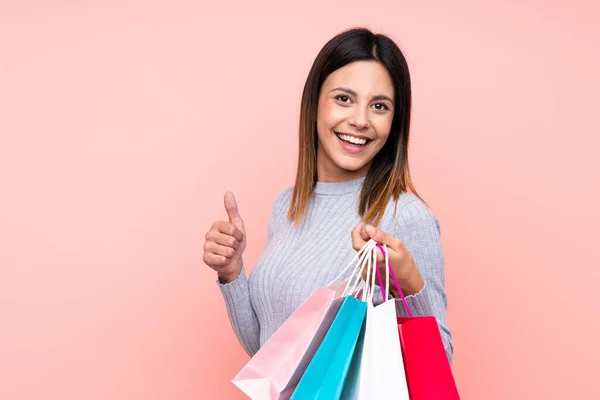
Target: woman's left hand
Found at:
401, 260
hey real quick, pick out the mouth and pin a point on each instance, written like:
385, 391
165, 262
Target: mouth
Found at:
354, 140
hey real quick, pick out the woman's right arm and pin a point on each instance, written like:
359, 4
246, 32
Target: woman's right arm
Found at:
241, 314
224, 247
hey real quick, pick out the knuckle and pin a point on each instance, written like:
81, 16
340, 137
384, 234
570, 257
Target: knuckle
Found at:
231, 229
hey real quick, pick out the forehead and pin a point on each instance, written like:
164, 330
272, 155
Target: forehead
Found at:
367, 78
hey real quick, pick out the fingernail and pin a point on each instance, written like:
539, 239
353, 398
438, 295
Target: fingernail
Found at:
370, 229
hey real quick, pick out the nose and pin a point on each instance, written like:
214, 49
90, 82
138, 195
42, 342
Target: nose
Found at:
360, 118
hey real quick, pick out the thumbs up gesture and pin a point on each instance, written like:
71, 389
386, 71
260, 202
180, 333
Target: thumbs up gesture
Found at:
225, 243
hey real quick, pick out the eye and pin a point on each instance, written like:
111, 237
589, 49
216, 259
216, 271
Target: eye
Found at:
343, 98
381, 106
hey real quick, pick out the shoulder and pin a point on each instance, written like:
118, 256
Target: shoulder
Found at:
282, 201
410, 212
284, 197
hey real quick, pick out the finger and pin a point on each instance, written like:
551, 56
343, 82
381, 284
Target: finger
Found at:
357, 239
384, 238
214, 260
230, 229
380, 257
364, 234
232, 211
223, 239
225, 251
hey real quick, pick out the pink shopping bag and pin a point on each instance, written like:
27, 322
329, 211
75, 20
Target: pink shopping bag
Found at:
268, 375
275, 370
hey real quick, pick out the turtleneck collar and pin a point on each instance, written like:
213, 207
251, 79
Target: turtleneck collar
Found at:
339, 188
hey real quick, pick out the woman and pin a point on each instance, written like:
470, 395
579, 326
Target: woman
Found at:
352, 184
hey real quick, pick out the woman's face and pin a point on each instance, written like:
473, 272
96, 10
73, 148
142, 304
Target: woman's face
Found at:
354, 118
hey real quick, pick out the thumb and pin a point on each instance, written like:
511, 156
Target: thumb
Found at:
232, 211
358, 239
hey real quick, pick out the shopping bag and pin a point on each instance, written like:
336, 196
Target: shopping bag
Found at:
275, 370
312, 348
352, 384
428, 372
326, 374
377, 371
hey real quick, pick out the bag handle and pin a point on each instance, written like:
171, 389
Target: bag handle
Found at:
370, 279
355, 275
366, 294
388, 269
363, 255
360, 256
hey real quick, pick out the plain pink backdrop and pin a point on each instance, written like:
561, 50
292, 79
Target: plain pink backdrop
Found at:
123, 123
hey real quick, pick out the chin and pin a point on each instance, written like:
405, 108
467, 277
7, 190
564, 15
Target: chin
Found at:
351, 165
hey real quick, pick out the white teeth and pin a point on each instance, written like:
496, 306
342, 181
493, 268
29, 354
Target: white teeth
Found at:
353, 139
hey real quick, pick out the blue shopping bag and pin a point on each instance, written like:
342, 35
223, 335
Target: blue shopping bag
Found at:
326, 374
351, 387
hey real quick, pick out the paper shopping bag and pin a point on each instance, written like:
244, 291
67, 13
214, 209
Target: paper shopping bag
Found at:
352, 384
384, 376
428, 371
325, 376
322, 330
268, 374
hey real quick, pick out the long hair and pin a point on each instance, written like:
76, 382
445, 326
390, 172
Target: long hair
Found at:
389, 174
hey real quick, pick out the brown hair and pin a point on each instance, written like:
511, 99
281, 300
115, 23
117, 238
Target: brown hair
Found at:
389, 174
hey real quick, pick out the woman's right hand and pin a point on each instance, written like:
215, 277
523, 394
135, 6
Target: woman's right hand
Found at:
225, 243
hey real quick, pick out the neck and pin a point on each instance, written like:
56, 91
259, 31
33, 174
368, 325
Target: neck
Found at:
331, 173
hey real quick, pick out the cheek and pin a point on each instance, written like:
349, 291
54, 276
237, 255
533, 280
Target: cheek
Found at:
329, 115
383, 126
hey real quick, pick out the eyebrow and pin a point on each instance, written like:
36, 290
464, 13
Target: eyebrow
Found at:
353, 93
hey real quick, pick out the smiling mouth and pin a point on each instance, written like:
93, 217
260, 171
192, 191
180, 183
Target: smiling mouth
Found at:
357, 141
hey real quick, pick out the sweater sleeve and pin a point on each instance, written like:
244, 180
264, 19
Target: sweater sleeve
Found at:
419, 230
238, 303
241, 314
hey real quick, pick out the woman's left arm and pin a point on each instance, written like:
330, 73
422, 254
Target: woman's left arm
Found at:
416, 256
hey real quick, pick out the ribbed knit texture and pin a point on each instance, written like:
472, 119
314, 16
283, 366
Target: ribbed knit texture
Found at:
298, 260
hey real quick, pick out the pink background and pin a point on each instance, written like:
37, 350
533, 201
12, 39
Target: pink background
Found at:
122, 125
